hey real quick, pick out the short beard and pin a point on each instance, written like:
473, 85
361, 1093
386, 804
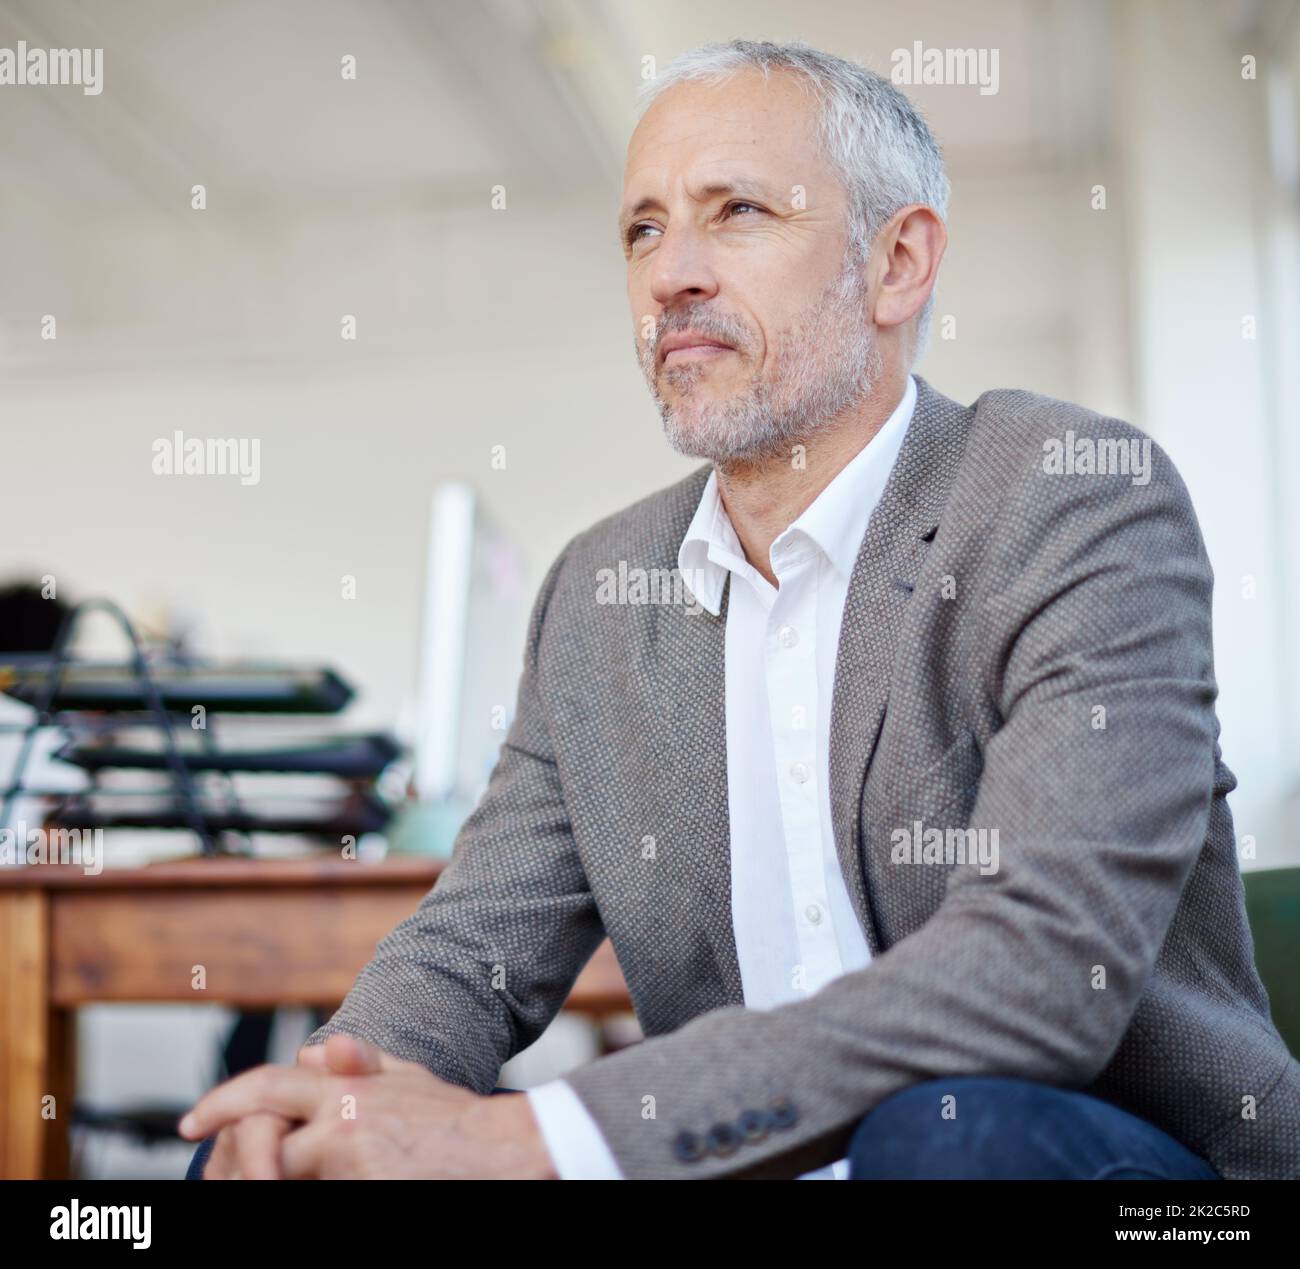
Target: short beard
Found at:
822, 366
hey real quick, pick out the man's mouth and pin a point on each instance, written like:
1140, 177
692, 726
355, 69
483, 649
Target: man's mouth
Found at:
681, 347
695, 352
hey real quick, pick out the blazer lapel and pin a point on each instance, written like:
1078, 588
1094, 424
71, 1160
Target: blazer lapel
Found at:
690, 668
889, 561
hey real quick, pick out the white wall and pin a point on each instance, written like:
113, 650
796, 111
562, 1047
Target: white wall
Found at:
507, 328
1196, 194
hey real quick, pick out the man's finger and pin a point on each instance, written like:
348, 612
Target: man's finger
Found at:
350, 1055
220, 1164
257, 1146
302, 1152
292, 1091
312, 1055
321, 1056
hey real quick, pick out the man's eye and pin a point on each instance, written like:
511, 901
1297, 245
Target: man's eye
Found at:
637, 232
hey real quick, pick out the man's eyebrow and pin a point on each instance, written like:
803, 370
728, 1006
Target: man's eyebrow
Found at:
714, 189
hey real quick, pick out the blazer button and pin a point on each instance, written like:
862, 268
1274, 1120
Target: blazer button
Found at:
752, 1125
723, 1139
782, 1113
687, 1148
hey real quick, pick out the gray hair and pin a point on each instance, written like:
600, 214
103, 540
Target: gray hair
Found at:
872, 134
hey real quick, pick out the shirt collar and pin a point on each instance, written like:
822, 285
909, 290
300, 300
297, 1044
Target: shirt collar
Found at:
835, 523
710, 549
837, 519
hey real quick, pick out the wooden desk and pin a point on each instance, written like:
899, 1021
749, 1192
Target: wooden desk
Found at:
264, 933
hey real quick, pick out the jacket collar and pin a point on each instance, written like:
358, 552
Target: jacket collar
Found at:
889, 561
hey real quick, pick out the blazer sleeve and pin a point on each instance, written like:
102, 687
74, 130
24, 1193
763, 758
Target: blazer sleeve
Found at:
489, 956
1033, 971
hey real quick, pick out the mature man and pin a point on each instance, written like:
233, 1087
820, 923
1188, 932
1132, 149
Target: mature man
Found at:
906, 818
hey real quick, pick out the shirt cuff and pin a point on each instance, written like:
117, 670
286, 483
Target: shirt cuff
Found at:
576, 1145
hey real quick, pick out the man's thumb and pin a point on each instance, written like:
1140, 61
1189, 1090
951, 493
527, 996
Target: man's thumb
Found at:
350, 1055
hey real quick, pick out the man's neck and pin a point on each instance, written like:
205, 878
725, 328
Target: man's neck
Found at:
763, 499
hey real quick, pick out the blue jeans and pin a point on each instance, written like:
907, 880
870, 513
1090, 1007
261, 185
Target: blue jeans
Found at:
1007, 1129
994, 1129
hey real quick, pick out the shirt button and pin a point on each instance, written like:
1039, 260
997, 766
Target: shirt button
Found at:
787, 636
799, 773
813, 913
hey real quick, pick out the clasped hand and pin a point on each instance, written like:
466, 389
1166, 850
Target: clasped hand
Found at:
348, 1110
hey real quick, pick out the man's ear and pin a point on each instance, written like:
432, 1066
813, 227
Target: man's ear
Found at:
908, 252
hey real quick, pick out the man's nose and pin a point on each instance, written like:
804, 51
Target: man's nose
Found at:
682, 268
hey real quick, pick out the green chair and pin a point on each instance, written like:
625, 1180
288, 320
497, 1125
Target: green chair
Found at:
1273, 906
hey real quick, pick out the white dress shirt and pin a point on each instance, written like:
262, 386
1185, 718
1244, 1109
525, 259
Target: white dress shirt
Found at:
795, 929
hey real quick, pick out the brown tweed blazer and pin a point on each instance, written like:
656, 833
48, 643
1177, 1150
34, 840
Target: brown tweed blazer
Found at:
1023, 650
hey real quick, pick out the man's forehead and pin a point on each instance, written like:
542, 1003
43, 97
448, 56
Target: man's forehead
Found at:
744, 110
743, 131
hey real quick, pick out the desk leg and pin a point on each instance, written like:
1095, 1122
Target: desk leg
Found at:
24, 1035
61, 1064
